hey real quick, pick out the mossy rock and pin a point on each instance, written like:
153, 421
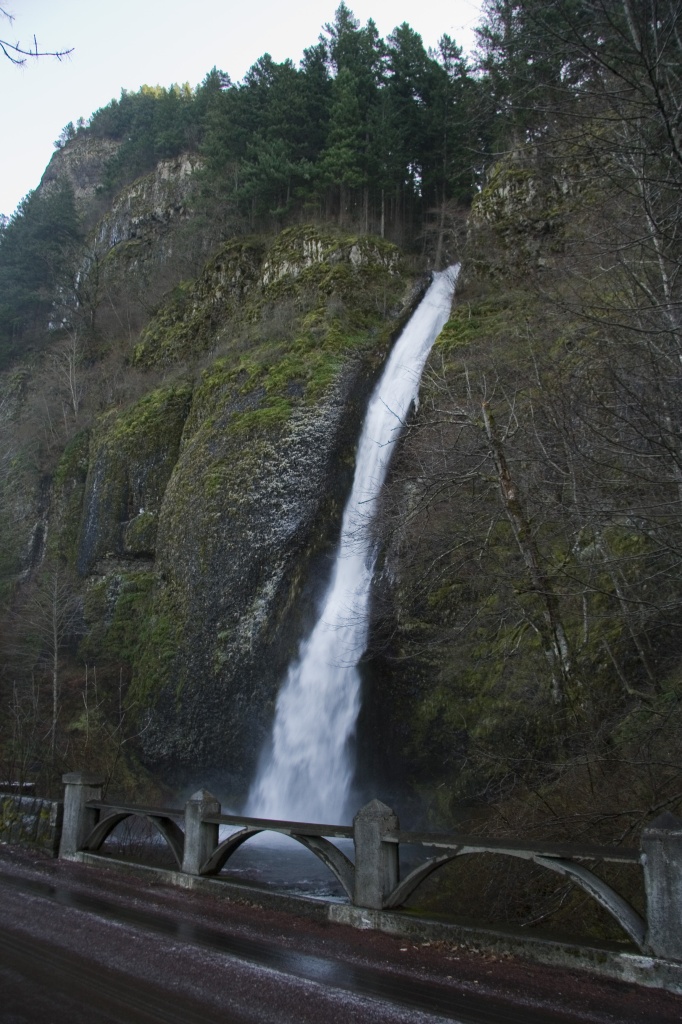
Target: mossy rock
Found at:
139, 535
520, 216
248, 522
132, 454
245, 279
186, 324
68, 485
114, 609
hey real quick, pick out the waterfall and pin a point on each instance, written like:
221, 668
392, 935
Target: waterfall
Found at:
307, 773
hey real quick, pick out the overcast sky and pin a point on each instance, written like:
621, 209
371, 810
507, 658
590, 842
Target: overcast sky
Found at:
129, 43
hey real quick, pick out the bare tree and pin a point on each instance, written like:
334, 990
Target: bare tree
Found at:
22, 721
551, 628
45, 623
67, 365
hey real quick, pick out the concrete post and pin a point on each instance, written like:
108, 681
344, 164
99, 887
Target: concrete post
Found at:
79, 820
376, 861
201, 838
662, 861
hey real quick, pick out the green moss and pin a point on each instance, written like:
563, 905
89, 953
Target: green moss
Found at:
151, 420
73, 465
139, 536
158, 643
124, 636
305, 265
132, 455
269, 416
114, 609
186, 324
488, 320
172, 331
260, 388
69, 489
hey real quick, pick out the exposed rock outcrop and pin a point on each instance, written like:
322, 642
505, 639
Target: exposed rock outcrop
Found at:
82, 162
211, 505
150, 203
248, 519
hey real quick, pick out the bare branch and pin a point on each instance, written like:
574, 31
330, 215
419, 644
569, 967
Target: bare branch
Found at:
18, 54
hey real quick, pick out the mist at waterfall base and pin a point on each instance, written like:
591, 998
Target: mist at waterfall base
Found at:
307, 770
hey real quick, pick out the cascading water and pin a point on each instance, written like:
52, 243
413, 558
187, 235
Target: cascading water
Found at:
308, 772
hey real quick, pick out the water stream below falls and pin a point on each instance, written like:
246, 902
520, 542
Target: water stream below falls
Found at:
307, 771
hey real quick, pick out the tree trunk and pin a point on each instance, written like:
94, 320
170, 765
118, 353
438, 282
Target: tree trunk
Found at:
441, 229
55, 665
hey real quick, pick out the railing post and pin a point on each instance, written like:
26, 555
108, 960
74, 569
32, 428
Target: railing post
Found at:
79, 820
376, 861
201, 838
662, 862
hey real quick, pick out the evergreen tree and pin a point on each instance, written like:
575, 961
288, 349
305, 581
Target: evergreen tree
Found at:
356, 57
342, 163
316, 86
408, 65
37, 256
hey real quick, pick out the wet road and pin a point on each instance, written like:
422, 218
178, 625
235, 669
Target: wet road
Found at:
82, 945
356, 979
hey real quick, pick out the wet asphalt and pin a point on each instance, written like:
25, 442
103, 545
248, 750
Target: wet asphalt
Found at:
68, 953
41, 961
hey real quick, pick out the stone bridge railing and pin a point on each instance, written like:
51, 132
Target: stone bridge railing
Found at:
372, 879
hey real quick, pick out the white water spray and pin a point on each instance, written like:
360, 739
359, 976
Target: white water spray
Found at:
309, 772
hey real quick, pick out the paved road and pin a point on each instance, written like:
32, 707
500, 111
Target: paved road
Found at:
84, 945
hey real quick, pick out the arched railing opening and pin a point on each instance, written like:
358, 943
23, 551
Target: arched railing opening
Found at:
164, 826
325, 851
619, 909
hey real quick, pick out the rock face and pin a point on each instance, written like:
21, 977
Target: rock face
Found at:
131, 458
138, 240
197, 490
82, 162
148, 204
246, 524
518, 219
202, 517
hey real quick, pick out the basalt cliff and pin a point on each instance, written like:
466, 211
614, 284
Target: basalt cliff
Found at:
178, 433
189, 488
